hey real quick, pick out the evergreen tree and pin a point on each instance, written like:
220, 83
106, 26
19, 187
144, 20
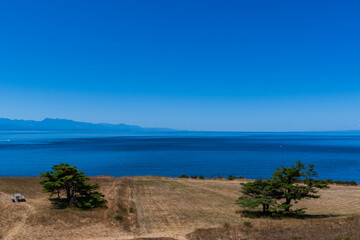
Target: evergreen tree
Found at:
287, 186
260, 192
68, 181
288, 180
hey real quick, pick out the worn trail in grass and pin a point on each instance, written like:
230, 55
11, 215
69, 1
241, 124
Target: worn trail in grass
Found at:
169, 208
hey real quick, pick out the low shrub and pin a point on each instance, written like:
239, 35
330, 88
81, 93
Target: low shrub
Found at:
92, 200
119, 218
122, 208
201, 177
330, 181
131, 210
231, 177
247, 224
194, 177
350, 183
184, 176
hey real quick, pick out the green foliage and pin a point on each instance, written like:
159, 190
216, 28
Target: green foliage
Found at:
92, 200
194, 177
201, 177
340, 238
279, 192
350, 183
122, 208
120, 218
184, 176
131, 209
260, 192
68, 181
287, 178
247, 224
231, 177
330, 181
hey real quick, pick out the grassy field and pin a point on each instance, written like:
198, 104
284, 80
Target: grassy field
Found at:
171, 208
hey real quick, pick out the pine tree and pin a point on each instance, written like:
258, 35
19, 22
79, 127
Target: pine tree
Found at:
288, 180
288, 185
68, 181
260, 192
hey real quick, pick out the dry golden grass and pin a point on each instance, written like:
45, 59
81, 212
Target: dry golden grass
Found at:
168, 208
38, 219
340, 228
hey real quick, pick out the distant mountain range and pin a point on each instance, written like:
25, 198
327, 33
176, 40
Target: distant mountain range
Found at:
65, 125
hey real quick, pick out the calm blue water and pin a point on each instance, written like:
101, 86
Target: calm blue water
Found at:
252, 155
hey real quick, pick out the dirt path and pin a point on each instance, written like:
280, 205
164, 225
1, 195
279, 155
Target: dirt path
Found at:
110, 196
151, 208
217, 187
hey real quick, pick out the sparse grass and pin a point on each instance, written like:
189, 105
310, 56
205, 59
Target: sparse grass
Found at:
342, 238
39, 219
268, 229
175, 207
122, 208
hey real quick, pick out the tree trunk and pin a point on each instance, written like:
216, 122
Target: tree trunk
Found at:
72, 201
288, 201
265, 208
68, 196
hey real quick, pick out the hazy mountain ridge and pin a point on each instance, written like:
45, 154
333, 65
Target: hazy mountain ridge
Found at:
65, 124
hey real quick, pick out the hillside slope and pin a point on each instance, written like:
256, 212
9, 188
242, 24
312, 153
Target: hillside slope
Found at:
170, 208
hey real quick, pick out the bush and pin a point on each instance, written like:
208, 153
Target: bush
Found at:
330, 181
247, 224
220, 177
201, 177
231, 177
194, 177
119, 218
184, 176
93, 200
350, 183
121, 207
131, 210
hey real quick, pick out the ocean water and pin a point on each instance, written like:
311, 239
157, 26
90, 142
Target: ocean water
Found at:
252, 155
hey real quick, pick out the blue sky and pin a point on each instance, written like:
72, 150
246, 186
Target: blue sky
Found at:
197, 65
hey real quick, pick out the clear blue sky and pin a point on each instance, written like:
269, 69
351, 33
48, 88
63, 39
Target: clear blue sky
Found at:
197, 65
